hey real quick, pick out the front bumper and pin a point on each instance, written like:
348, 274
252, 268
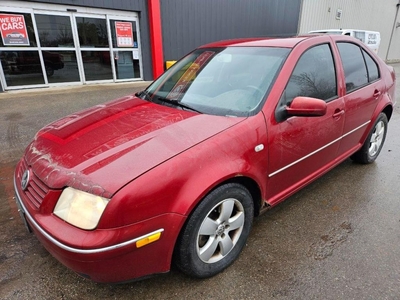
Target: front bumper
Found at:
105, 255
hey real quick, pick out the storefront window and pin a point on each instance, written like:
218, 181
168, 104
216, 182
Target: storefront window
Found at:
131, 33
48, 46
11, 38
92, 32
63, 68
21, 67
97, 65
54, 31
125, 66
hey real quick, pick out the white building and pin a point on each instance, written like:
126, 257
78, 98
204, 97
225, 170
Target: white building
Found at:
382, 16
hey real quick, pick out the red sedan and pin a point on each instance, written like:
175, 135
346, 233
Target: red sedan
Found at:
176, 173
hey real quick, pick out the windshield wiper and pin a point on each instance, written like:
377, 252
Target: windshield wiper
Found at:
177, 103
145, 95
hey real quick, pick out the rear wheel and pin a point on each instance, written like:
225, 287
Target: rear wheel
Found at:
374, 142
216, 231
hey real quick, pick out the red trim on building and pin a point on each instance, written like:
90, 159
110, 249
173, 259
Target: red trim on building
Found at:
157, 54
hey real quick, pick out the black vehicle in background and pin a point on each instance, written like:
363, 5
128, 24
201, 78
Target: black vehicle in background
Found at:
15, 62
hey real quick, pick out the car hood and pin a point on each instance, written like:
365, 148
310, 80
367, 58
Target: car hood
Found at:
101, 149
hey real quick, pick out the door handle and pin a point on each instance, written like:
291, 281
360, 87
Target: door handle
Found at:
338, 113
377, 93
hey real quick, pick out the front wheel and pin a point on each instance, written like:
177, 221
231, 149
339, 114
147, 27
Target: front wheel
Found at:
215, 232
374, 142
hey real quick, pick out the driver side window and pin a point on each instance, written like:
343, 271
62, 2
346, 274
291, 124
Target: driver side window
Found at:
314, 76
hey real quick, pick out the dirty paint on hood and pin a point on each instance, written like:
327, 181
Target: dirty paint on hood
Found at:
101, 149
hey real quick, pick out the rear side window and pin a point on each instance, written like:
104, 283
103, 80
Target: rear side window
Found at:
359, 67
314, 76
354, 66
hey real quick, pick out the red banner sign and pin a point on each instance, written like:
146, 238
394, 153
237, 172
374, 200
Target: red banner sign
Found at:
124, 34
13, 30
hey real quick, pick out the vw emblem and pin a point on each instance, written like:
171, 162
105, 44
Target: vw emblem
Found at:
25, 180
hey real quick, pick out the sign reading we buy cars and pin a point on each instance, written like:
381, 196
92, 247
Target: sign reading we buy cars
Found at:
13, 30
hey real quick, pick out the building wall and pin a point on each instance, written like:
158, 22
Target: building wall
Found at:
139, 6
186, 24
356, 14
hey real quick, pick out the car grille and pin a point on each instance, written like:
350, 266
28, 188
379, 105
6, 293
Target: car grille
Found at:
36, 189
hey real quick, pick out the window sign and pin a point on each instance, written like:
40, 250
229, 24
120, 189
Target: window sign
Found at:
13, 30
135, 54
124, 34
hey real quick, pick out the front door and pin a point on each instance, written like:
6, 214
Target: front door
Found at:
300, 147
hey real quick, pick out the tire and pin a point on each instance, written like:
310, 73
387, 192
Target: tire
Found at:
224, 217
49, 71
374, 142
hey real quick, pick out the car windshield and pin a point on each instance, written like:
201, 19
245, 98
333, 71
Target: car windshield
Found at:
230, 81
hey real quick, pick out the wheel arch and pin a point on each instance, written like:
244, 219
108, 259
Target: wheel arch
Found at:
385, 106
252, 186
247, 182
388, 111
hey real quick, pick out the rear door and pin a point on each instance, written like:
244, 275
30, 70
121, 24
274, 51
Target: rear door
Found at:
364, 88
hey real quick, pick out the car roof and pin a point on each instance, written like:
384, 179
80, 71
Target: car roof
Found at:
286, 42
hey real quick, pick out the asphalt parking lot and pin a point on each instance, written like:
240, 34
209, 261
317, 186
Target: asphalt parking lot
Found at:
336, 239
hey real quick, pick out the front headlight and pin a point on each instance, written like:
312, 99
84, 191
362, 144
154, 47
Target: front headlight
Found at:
79, 208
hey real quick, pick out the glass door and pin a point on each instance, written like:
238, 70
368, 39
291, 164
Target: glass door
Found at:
125, 48
94, 47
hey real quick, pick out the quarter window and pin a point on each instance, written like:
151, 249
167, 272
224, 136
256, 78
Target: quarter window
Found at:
372, 67
314, 76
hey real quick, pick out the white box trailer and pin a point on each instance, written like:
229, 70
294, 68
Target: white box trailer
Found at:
371, 38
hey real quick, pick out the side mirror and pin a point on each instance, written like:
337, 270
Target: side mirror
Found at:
306, 107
